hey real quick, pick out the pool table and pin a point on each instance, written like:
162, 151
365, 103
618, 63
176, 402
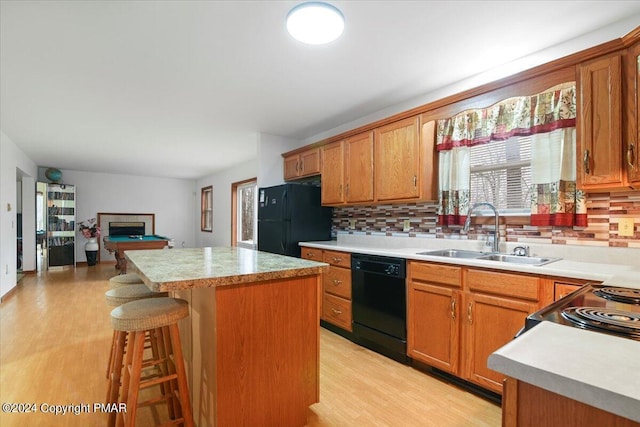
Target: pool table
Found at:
118, 244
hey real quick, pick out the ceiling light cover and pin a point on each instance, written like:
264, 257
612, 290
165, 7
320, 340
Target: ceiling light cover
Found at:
315, 23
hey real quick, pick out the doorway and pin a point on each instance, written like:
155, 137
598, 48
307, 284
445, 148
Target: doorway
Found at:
244, 213
19, 233
41, 220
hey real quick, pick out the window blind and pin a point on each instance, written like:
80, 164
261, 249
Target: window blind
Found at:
501, 174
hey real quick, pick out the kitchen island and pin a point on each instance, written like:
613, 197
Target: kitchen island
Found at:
251, 343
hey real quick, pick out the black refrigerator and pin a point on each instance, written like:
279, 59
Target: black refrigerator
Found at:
289, 214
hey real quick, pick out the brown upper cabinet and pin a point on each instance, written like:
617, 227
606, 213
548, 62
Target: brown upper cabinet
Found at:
358, 163
599, 135
303, 164
607, 138
391, 163
397, 164
332, 172
347, 170
632, 158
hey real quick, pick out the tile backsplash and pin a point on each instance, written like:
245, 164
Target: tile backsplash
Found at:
604, 210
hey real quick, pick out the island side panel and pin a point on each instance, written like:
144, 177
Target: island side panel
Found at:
532, 406
186, 327
201, 333
267, 352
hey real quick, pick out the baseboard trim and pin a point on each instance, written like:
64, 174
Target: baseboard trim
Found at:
9, 294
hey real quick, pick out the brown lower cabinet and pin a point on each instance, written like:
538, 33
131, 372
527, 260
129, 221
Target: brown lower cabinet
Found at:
458, 316
336, 286
433, 320
525, 405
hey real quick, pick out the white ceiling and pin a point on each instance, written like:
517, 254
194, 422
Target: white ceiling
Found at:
182, 88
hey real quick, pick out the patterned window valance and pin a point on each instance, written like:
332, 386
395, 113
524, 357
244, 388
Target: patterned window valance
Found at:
552, 109
549, 118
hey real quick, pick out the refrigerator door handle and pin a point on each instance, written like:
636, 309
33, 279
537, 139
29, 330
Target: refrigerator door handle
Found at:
285, 238
283, 205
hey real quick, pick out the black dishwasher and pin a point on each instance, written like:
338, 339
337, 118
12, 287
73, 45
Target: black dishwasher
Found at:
379, 300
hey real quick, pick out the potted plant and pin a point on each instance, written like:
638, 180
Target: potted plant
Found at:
91, 231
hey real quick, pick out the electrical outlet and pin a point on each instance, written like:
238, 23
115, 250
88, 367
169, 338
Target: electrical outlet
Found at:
406, 225
352, 224
625, 227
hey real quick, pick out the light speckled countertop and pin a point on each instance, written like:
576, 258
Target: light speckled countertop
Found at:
613, 266
178, 269
597, 369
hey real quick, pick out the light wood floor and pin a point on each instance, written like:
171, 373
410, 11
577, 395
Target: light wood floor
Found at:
55, 335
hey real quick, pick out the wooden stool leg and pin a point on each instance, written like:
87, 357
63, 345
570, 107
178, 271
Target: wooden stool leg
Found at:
165, 367
183, 386
126, 379
116, 372
113, 350
134, 380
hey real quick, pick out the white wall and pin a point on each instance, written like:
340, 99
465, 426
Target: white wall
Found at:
221, 182
173, 201
270, 161
267, 168
14, 163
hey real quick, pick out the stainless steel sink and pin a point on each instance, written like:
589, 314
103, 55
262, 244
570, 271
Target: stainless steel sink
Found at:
514, 259
453, 253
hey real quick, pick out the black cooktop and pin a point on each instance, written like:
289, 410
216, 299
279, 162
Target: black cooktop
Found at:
606, 309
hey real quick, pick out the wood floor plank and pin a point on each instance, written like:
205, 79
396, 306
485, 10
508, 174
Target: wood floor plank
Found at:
55, 336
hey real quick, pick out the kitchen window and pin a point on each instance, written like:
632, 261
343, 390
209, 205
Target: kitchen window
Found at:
515, 154
245, 213
500, 174
206, 209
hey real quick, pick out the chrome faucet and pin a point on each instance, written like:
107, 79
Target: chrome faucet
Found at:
496, 238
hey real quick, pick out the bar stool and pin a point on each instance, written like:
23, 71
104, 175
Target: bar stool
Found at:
121, 295
158, 316
116, 297
124, 280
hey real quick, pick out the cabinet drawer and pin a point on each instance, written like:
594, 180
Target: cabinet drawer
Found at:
337, 310
312, 254
561, 290
435, 273
342, 259
338, 282
511, 285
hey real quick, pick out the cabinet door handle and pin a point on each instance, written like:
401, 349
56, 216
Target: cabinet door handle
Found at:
585, 162
336, 312
630, 155
337, 282
310, 255
469, 313
336, 260
453, 308
347, 190
415, 181
297, 166
302, 166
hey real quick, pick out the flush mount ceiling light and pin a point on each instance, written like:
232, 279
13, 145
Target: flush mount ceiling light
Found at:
315, 23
